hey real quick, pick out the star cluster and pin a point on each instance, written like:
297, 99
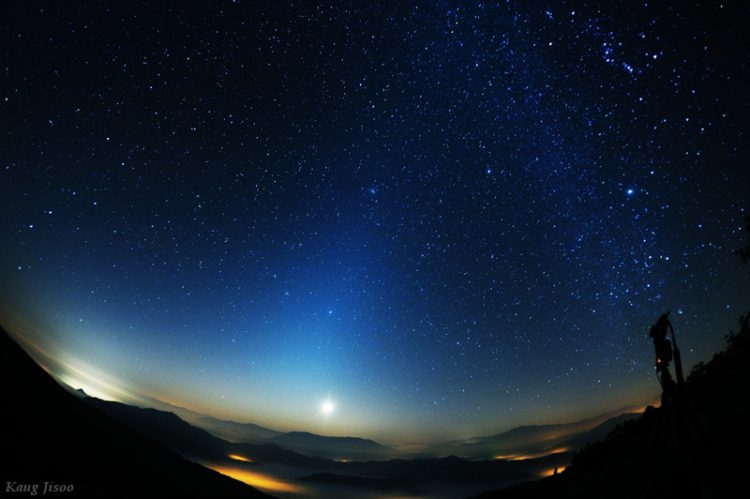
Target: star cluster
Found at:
448, 216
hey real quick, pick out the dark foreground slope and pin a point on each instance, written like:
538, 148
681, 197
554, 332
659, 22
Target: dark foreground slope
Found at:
48, 435
694, 449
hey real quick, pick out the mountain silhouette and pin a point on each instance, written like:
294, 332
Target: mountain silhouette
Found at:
236, 432
228, 430
200, 445
170, 430
519, 442
525, 441
310, 444
348, 448
534, 440
48, 434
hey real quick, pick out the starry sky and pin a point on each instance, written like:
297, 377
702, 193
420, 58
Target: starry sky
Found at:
448, 219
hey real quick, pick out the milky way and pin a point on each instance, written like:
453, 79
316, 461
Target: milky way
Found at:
447, 218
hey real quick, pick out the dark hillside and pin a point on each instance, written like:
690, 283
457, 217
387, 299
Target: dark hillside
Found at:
692, 449
49, 435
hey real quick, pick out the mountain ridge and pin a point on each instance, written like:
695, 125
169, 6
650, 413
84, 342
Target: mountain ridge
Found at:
48, 434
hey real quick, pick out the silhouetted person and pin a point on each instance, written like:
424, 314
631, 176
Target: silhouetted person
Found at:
663, 348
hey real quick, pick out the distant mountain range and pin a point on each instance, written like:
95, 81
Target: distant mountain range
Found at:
517, 443
450, 475
410, 475
196, 443
235, 432
228, 430
338, 448
533, 441
310, 444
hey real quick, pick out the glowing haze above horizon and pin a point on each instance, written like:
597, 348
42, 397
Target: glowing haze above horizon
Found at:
409, 223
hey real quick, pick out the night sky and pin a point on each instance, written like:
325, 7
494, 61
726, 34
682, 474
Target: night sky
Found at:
445, 219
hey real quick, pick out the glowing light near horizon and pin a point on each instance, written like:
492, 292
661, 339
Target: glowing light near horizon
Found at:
238, 457
73, 372
327, 408
535, 455
552, 471
93, 382
262, 481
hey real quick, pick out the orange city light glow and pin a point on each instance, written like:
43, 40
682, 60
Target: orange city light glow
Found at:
551, 471
259, 480
238, 457
521, 457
